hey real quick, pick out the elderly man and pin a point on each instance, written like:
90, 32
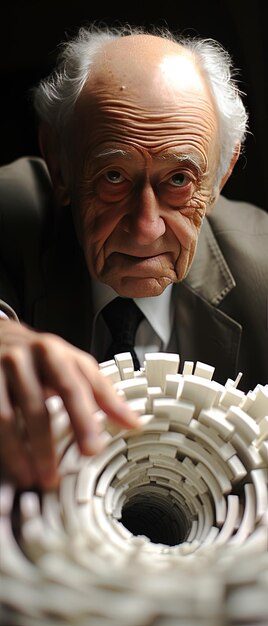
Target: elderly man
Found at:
139, 133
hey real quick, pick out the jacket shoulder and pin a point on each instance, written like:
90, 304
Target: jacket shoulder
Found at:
26, 204
238, 217
25, 191
241, 231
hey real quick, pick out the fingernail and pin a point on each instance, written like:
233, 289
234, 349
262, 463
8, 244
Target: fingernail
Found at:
131, 418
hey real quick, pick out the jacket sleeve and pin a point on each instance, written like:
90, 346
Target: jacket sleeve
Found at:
9, 303
25, 194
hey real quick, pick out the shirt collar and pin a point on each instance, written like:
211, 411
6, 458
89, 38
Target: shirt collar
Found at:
157, 309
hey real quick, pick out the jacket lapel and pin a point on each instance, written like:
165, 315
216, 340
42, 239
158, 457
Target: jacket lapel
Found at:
204, 332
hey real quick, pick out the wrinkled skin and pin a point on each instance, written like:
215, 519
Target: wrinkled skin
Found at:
146, 153
143, 152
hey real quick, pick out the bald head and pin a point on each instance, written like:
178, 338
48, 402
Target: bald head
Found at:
149, 66
146, 92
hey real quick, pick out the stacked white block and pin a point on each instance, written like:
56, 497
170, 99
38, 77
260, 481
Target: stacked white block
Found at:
167, 526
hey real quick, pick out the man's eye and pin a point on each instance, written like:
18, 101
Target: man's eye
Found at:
179, 179
113, 176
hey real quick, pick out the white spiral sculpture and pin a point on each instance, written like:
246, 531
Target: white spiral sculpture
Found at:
168, 526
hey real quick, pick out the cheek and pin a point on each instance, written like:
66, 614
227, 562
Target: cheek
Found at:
188, 240
96, 223
184, 262
186, 225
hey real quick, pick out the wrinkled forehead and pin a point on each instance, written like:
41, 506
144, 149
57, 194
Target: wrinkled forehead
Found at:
146, 67
148, 93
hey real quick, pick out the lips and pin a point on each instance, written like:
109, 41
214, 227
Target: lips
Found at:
157, 266
129, 260
132, 258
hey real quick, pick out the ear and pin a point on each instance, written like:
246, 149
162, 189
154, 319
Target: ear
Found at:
50, 151
231, 167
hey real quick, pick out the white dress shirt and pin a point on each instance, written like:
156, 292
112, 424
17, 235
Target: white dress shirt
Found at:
154, 332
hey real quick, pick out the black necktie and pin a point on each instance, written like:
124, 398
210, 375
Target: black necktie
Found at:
122, 317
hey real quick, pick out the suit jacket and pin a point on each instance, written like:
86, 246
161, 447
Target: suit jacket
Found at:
221, 307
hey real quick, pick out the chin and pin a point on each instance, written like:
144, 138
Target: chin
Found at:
140, 288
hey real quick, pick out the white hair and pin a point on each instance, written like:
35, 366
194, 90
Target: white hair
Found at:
54, 97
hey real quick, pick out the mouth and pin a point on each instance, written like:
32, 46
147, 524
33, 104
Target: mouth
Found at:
139, 258
146, 266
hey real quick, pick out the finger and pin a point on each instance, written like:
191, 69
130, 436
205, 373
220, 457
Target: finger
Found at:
105, 395
28, 396
13, 454
70, 384
73, 375
15, 458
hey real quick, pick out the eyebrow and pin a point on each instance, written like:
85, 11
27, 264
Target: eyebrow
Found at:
113, 152
167, 156
182, 158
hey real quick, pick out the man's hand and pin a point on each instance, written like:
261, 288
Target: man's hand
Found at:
34, 366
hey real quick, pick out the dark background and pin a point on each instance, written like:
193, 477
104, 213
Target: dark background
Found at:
30, 32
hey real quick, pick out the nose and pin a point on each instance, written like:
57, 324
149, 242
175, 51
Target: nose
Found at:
143, 220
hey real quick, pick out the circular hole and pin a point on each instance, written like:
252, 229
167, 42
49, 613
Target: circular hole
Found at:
158, 518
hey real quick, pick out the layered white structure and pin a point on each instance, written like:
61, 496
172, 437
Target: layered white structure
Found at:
168, 526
